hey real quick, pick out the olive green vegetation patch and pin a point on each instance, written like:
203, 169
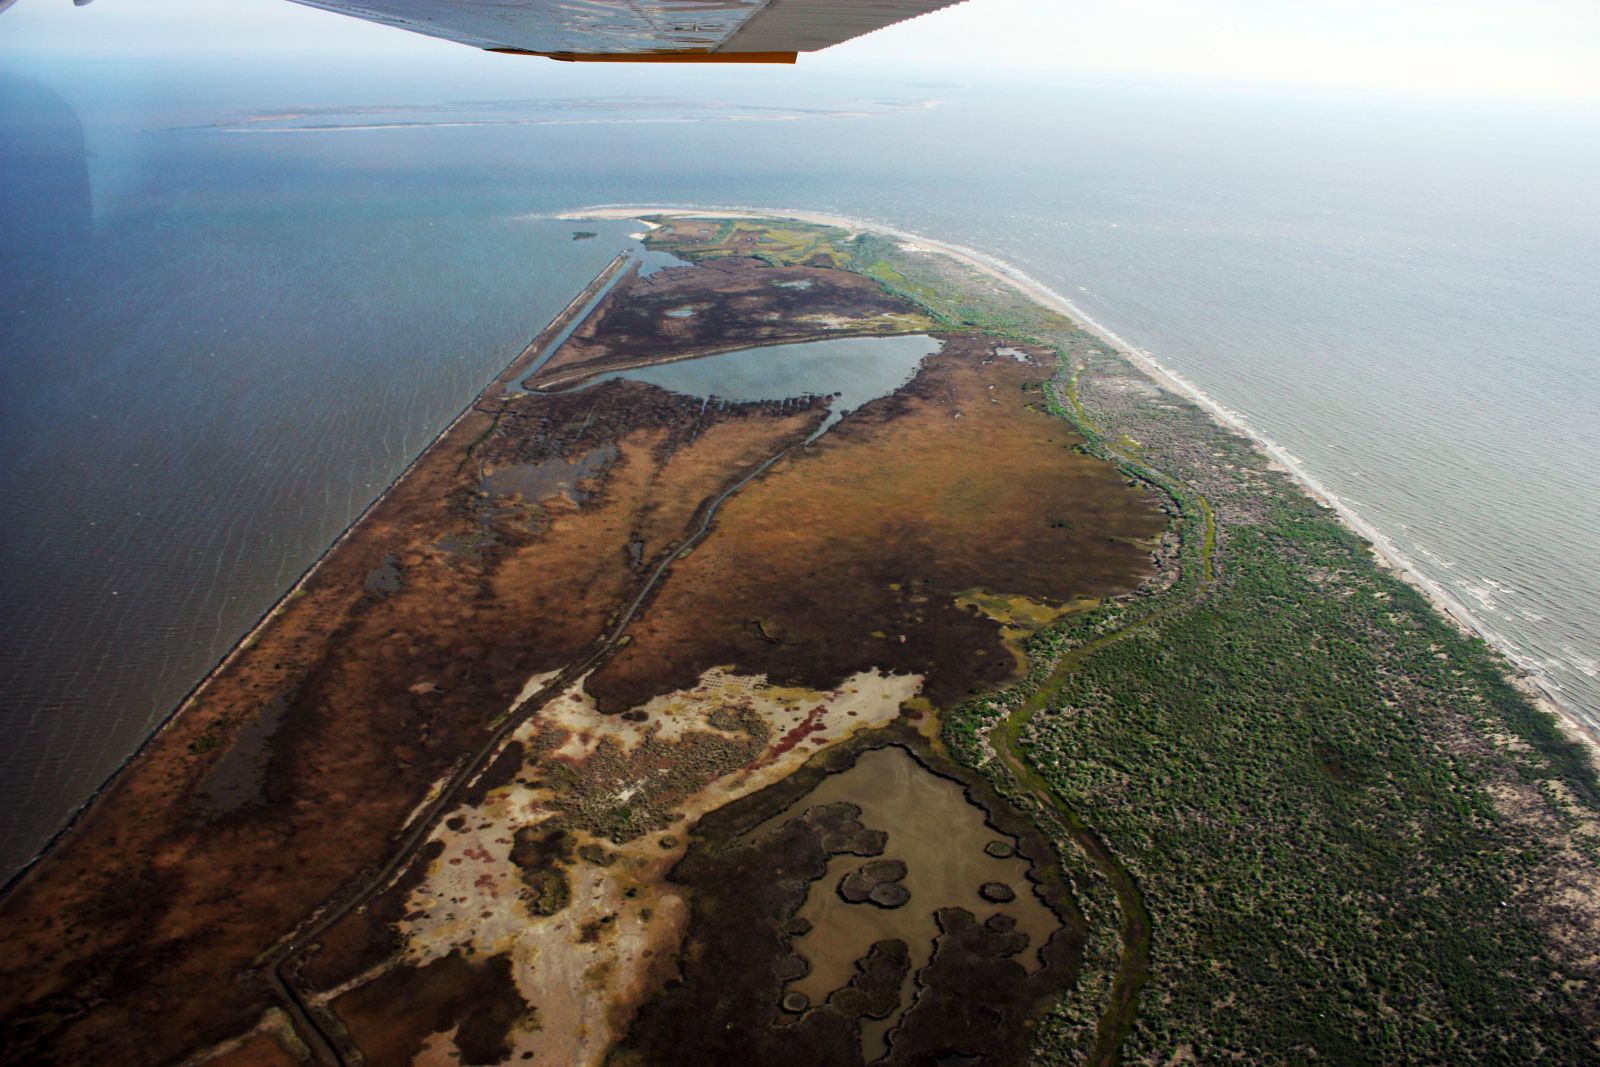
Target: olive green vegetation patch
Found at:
1288, 754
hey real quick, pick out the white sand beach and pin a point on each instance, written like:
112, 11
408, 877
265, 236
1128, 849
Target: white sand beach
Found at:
1388, 555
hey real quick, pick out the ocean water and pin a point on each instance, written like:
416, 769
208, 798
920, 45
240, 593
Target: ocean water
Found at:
223, 330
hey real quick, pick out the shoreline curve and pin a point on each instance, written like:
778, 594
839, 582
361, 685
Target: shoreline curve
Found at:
1576, 723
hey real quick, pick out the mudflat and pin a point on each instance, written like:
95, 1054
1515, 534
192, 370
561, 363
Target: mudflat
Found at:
727, 303
436, 807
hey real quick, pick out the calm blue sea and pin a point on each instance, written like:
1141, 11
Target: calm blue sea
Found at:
221, 334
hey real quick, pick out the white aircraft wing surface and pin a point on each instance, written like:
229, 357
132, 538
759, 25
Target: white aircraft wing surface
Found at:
747, 31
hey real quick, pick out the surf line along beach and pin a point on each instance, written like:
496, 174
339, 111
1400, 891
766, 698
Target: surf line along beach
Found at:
1388, 555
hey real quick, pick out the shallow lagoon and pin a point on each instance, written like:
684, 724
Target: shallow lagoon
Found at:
852, 370
942, 837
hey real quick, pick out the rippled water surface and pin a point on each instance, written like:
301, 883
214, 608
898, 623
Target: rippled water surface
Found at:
217, 347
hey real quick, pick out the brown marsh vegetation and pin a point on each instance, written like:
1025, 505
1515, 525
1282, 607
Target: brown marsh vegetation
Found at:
499, 564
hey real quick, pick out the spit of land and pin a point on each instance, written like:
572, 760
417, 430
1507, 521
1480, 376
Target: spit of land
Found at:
618, 730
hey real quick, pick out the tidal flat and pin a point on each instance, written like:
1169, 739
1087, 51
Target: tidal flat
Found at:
529, 750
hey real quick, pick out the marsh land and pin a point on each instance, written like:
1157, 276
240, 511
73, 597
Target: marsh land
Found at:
966, 697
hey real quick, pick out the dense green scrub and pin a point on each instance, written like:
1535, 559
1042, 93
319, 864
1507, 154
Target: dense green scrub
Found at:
1323, 874
1310, 821
1291, 753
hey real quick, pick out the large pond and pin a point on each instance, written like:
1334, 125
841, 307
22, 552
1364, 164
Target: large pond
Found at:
851, 370
951, 856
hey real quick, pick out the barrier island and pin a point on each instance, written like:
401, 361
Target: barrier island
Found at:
824, 651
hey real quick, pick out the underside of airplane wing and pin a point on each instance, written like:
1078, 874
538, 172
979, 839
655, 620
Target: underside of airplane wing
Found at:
706, 31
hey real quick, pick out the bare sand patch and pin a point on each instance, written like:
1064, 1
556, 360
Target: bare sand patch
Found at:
584, 969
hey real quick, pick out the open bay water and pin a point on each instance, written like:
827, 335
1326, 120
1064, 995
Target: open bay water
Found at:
222, 349
205, 381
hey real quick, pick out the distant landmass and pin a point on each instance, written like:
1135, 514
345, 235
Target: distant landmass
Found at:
549, 112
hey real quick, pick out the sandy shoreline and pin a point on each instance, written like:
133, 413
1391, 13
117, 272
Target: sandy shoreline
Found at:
1388, 555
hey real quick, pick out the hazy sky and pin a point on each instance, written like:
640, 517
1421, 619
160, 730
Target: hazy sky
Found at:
1507, 49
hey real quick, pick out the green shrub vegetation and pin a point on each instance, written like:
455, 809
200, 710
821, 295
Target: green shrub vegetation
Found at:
1274, 771
1286, 751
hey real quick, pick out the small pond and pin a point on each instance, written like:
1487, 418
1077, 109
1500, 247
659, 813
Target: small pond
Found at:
951, 856
852, 370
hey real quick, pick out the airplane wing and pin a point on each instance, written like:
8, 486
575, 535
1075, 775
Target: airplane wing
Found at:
661, 31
